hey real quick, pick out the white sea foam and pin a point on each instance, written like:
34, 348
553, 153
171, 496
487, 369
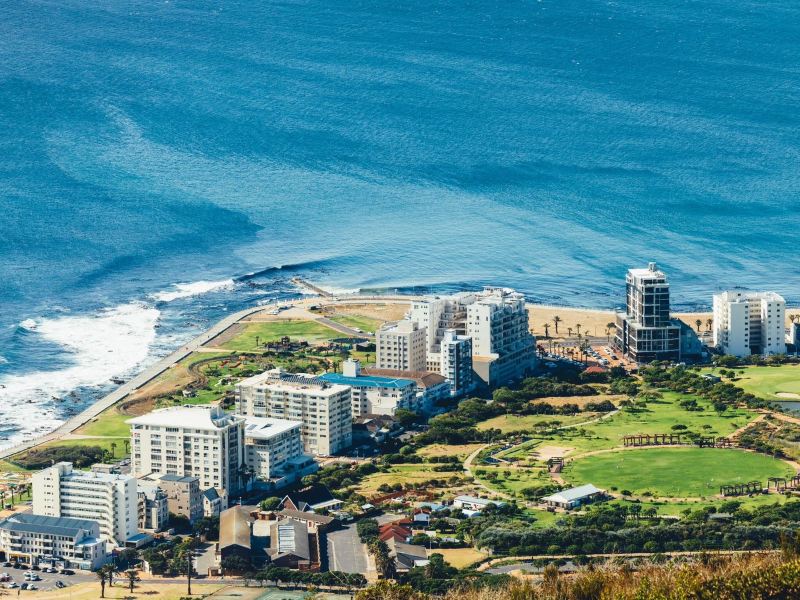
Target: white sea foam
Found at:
186, 290
111, 343
28, 324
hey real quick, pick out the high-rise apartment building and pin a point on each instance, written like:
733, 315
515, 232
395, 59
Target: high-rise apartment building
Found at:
748, 323
274, 451
193, 441
456, 362
646, 332
109, 499
503, 348
324, 409
401, 346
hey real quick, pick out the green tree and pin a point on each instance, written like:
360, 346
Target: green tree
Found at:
133, 577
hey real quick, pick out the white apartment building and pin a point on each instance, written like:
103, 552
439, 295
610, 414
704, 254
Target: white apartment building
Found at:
456, 362
109, 499
503, 349
748, 323
375, 395
73, 543
401, 346
195, 441
274, 450
324, 409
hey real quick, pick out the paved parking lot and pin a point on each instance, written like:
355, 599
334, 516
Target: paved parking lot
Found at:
48, 580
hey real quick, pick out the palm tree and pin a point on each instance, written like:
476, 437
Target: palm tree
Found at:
569, 331
133, 577
546, 330
127, 446
609, 328
578, 327
2, 499
101, 575
113, 449
709, 324
12, 487
697, 323
556, 321
110, 568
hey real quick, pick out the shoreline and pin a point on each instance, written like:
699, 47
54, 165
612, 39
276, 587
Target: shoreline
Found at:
592, 318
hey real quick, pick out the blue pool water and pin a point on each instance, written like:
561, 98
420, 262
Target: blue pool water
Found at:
153, 153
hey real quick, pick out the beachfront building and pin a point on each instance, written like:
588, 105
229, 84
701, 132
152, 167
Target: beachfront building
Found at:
456, 362
323, 408
400, 346
374, 395
274, 451
73, 543
430, 388
748, 323
503, 348
646, 332
192, 441
110, 499
153, 509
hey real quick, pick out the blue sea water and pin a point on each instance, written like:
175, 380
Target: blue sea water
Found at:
544, 145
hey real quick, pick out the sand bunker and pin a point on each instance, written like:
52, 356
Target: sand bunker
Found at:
548, 452
788, 395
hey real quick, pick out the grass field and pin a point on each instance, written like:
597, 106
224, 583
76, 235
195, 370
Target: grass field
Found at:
402, 474
529, 423
767, 382
271, 331
460, 451
674, 472
511, 480
162, 591
110, 422
658, 417
459, 557
365, 324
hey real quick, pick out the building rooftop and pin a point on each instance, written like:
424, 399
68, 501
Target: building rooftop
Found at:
187, 417
289, 537
265, 428
63, 526
424, 378
572, 494
277, 379
371, 381
476, 500
234, 528
177, 478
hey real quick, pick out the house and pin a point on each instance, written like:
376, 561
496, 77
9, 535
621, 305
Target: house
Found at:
292, 546
235, 534
473, 503
313, 521
406, 556
394, 531
212, 503
311, 499
375, 428
574, 497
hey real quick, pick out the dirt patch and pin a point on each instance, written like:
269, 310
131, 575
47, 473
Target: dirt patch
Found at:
548, 452
381, 312
581, 401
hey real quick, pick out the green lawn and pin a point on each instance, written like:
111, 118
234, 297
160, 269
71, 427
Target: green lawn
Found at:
510, 480
528, 423
767, 382
674, 472
310, 331
658, 417
110, 422
365, 324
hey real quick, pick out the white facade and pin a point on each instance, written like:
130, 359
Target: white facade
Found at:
195, 441
371, 395
503, 349
274, 450
456, 362
38, 538
749, 323
401, 346
323, 409
111, 500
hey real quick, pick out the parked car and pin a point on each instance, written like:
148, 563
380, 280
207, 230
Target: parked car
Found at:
60, 584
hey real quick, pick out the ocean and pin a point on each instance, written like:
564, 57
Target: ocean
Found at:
163, 163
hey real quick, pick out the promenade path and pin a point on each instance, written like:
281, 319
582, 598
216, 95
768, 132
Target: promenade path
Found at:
133, 384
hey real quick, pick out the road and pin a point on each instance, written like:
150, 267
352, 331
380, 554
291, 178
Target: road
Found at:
346, 553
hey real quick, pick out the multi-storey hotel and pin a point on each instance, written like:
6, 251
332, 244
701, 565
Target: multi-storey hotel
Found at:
71, 542
646, 332
503, 348
400, 346
375, 395
748, 323
195, 441
109, 499
323, 408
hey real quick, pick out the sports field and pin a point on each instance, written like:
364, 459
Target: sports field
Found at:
674, 472
770, 383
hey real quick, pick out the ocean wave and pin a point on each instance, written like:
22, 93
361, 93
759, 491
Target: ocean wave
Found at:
111, 343
28, 324
187, 290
